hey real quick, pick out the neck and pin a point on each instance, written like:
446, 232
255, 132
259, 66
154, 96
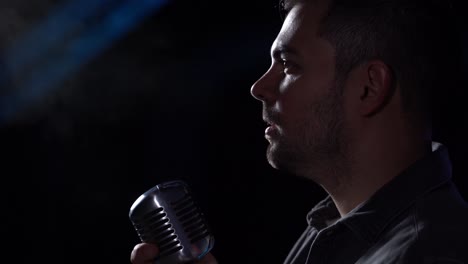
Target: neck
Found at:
373, 164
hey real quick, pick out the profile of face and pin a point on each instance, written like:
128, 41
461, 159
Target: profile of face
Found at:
301, 101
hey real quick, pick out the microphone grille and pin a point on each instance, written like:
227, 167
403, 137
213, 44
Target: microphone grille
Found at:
191, 218
154, 227
167, 215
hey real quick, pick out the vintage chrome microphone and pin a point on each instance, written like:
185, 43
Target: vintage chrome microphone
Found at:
166, 215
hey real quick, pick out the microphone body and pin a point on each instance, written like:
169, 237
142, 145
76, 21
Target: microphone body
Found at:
166, 215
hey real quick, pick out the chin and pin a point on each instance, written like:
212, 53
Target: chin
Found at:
273, 164
286, 161
271, 155
278, 159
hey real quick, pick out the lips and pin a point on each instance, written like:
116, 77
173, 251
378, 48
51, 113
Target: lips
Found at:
271, 131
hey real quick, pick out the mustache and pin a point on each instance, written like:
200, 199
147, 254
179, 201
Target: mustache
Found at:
270, 116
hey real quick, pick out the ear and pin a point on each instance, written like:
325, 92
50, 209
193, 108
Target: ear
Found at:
376, 87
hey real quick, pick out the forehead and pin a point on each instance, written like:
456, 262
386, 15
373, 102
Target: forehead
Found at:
300, 27
287, 5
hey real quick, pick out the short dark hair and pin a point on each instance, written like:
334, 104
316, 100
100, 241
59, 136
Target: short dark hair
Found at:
415, 38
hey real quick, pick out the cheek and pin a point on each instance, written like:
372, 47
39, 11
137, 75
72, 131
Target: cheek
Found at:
293, 93
296, 117
297, 101
289, 83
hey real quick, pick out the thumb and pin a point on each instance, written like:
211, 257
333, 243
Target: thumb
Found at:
208, 259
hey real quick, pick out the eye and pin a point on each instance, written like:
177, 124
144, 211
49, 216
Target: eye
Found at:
286, 63
288, 66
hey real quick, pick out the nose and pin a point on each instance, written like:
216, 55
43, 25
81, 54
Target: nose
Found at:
264, 88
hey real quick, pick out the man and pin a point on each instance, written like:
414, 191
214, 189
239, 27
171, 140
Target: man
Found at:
348, 100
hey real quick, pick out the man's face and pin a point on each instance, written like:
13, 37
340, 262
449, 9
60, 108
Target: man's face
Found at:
300, 99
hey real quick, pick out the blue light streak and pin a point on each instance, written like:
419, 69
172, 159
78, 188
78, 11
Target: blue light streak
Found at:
53, 51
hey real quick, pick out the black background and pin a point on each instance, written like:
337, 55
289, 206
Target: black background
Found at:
170, 100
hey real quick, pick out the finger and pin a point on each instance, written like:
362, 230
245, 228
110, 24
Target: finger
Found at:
144, 253
208, 259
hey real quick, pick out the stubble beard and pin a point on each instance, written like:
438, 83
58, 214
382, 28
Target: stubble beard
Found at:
318, 150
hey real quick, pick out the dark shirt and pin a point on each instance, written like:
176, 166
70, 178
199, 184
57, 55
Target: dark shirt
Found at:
418, 217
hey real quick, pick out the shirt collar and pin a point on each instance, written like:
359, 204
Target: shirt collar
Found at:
370, 218
322, 212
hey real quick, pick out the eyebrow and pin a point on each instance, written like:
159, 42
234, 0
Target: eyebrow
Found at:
285, 6
283, 50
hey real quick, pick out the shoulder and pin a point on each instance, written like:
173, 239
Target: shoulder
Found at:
433, 229
440, 229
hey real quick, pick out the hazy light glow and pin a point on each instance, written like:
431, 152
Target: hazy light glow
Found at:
73, 35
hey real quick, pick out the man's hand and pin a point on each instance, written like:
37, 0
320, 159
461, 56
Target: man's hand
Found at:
145, 253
